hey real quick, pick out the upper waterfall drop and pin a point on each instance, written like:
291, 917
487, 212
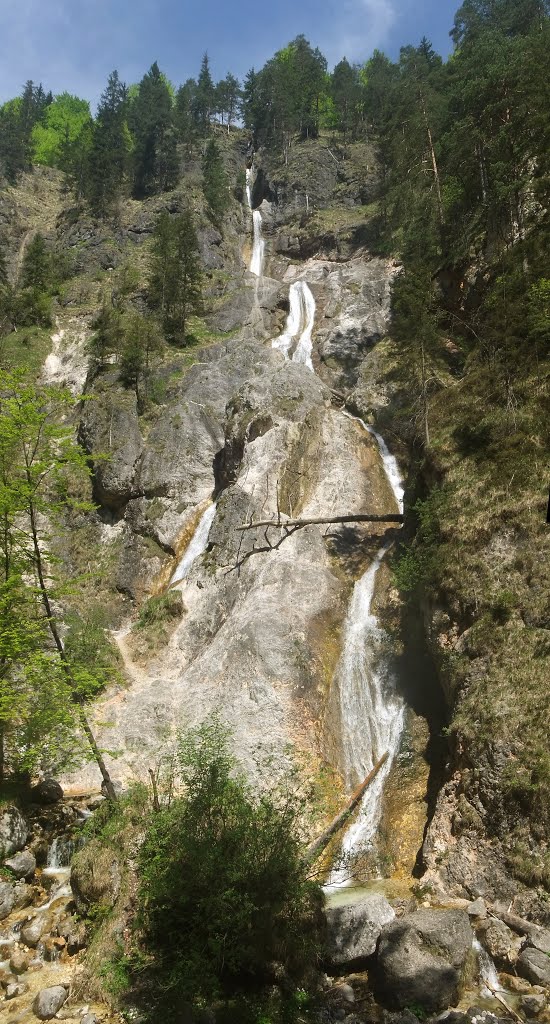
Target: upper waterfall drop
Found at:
299, 325
258, 246
389, 461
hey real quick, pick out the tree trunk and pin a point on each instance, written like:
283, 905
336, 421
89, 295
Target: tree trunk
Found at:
316, 848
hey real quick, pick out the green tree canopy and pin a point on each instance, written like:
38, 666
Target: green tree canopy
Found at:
63, 123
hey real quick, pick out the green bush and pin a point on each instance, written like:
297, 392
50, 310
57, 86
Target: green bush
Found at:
224, 894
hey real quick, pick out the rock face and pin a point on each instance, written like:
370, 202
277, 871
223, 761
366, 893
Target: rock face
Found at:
49, 1001
13, 832
500, 942
6, 899
353, 930
422, 958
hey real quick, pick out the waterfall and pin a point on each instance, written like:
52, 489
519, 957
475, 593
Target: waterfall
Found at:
258, 247
299, 325
488, 975
389, 461
371, 712
197, 545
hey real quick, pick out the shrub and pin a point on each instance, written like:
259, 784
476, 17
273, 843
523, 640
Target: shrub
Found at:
223, 894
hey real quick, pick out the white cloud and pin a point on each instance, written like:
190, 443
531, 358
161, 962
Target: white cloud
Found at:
360, 27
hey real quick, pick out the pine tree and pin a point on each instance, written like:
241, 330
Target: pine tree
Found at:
175, 284
227, 99
36, 270
184, 119
204, 101
215, 182
155, 163
108, 159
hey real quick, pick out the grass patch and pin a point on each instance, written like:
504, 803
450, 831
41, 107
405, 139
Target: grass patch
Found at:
26, 349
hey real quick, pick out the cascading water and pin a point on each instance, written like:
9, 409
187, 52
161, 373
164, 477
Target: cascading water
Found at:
197, 545
258, 246
488, 976
371, 712
299, 325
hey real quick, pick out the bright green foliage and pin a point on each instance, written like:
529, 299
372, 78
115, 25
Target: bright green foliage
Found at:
175, 285
151, 119
214, 183
224, 890
63, 124
42, 474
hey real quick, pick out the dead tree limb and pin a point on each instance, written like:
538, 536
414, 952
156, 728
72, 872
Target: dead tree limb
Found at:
316, 848
298, 524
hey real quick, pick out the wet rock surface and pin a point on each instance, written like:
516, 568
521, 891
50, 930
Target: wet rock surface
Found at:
49, 1001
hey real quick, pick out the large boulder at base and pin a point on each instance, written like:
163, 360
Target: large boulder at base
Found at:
22, 864
13, 831
47, 792
7, 899
48, 1001
95, 877
534, 965
422, 958
353, 930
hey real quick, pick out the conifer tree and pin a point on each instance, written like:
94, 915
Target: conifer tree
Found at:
184, 119
155, 163
214, 182
204, 100
228, 94
175, 285
36, 266
108, 158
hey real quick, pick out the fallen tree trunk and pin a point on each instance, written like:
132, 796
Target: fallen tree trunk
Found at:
321, 521
316, 848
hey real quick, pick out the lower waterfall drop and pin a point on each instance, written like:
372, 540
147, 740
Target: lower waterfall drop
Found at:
196, 547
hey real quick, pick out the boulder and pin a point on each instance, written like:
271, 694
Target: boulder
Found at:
6, 899
534, 965
19, 962
13, 831
48, 1001
95, 877
353, 929
32, 930
22, 864
422, 959
47, 792
500, 942
22, 895
532, 1005
477, 909
16, 988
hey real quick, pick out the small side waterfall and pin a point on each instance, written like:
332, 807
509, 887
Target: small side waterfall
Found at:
488, 976
197, 545
258, 246
299, 325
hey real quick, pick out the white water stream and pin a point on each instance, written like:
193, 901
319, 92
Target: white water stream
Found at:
197, 545
258, 246
371, 712
299, 325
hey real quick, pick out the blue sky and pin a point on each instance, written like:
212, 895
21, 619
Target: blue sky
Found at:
74, 44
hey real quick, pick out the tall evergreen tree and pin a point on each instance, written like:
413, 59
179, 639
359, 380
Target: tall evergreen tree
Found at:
204, 100
155, 162
175, 284
36, 268
108, 159
227, 99
215, 182
184, 119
